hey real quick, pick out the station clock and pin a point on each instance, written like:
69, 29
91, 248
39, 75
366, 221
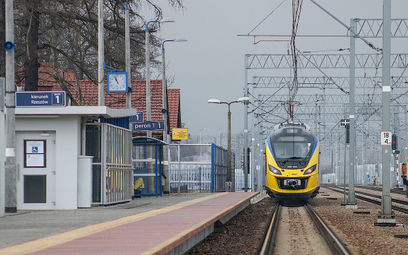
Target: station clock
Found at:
117, 82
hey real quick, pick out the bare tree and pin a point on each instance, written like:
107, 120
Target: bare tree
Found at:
64, 32
31, 25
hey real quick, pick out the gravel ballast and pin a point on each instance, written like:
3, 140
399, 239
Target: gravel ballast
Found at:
356, 230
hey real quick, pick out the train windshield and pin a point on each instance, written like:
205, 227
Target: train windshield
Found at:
292, 147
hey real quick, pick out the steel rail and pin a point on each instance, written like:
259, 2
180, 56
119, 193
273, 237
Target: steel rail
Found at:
268, 241
269, 238
332, 240
394, 200
394, 207
401, 192
376, 188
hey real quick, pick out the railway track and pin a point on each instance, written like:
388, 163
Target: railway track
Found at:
377, 199
292, 230
375, 188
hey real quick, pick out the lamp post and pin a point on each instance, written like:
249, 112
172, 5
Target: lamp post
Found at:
200, 134
148, 95
127, 57
164, 89
101, 56
216, 101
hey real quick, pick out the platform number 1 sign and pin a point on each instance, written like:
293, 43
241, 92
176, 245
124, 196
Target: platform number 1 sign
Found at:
386, 138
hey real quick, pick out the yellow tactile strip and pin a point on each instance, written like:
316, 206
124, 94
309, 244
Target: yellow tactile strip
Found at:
46, 242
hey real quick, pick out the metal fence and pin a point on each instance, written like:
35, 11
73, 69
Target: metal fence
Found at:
198, 168
363, 175
240, 180
112, 171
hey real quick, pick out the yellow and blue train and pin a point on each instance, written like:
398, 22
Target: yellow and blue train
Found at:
292, 163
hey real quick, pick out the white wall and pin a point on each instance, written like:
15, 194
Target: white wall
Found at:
68, 134
2, 162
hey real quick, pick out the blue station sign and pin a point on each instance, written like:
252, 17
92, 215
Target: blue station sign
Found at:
148, 126
40, 99
138, 118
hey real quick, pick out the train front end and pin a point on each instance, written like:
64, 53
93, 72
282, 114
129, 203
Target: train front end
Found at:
292, 163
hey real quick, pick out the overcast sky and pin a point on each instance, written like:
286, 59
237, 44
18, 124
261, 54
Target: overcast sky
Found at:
211, 63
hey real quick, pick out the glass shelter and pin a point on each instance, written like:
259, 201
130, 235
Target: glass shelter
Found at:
148, 167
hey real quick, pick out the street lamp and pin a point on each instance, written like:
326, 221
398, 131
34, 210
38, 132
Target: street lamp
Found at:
148, 95
164, 88
216, 101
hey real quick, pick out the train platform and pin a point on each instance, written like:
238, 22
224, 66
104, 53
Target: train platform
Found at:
171, 224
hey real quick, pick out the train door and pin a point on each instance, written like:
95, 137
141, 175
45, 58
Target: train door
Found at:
35, 161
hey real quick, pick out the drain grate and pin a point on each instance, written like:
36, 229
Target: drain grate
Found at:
332, 198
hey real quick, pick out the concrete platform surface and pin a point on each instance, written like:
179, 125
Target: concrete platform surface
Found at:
149, 225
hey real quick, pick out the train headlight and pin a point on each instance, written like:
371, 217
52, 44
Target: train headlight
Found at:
274, 170
310, 170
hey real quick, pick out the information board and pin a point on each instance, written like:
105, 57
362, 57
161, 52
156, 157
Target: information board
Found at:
138, 118
148, 126
180, 133
40, 99
386, 138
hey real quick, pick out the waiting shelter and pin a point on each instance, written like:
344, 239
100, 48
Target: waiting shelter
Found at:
149, 178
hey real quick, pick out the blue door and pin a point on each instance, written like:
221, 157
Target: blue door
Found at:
147, 163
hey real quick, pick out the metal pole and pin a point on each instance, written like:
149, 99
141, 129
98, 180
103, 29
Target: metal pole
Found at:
397, 169
406, 137
246, 127
386, 149
229, 177
324, 113
101, 72
258, 153
164, 94
396, 153
148, 96
363, 155
166, 137
315, 119
179, 167
338, 159
332, 157
351, 195
2, 148
253, 144
128, 68
10, 169
344, 172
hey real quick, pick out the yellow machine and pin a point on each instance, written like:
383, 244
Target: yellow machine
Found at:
404, 173
292, 163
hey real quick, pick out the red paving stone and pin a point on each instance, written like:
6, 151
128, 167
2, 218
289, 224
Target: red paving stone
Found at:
143, 235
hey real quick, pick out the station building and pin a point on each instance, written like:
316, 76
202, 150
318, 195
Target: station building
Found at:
80, 155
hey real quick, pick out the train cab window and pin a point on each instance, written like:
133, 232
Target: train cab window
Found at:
292, 147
